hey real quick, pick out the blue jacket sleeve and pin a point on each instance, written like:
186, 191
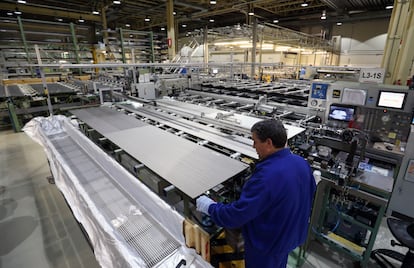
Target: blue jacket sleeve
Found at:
252, 202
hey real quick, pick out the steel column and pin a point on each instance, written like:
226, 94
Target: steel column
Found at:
26, 49
398, 54
170, 29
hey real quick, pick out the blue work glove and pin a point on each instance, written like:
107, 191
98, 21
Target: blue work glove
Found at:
203, 203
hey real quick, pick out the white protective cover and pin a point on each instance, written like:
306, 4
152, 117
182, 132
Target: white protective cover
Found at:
110, 248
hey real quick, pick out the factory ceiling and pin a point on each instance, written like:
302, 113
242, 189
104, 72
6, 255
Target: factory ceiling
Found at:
198, 14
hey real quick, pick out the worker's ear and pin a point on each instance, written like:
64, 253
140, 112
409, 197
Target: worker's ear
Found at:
269, 142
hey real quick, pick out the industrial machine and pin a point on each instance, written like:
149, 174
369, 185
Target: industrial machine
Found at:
359, 150
183, 138
180, 151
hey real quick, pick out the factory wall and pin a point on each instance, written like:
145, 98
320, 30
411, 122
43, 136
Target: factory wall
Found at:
228, 56
362, 43
287, 58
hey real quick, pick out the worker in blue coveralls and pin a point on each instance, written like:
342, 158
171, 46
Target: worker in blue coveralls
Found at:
275, 203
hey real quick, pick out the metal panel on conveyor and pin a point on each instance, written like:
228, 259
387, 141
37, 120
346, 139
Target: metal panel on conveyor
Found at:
53, 88
2, 92
13, 91
190, 167
106, 120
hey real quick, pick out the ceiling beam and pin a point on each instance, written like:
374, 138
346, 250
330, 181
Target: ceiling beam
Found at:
50, 12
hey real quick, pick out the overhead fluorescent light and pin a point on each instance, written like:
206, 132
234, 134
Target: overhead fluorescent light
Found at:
95, 12
81, 20
246, 46
339, 23
276, 21
389, 7
304, 4
184, 25
213, 2
264, 46
211, 20
282, 48
127, 25
251, 13
21, 1
241, 42
162, 29
116, 2
323, 16
297, 49
147, 19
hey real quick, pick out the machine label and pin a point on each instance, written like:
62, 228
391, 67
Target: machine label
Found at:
375, 75
336, 93
319, 91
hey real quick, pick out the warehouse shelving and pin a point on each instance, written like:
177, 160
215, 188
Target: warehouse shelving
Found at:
129, 46
58, 43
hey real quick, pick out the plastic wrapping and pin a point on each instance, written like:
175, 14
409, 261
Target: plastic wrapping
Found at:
110, 247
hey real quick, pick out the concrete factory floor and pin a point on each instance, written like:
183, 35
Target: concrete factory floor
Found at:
37, 229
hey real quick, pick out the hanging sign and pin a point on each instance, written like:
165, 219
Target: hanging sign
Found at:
373, 75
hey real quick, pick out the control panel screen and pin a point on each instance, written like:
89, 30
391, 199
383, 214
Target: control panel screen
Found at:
354, 96
389, 99
341, 112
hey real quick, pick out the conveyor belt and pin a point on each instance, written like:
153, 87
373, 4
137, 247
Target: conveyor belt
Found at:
128, 225
242, 145
54, 88
245, 122
191, 168
13, 91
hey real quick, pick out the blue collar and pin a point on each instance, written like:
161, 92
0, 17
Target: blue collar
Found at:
277, 154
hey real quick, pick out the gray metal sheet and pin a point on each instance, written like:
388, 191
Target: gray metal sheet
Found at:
235, 143
13, 91
191, 168
54, 88
2, 92
106, 120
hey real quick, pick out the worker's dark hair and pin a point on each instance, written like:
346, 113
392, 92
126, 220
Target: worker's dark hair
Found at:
272, 129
